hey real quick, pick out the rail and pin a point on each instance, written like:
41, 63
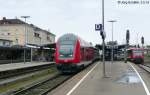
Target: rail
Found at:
42, 88
145, 67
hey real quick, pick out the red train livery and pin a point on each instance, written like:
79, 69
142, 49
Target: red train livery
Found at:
73, 53
136, 55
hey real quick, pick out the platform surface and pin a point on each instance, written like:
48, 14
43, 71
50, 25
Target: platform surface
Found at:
13, 66
122, 80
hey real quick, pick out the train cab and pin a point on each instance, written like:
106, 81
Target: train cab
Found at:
135, 55
73, 53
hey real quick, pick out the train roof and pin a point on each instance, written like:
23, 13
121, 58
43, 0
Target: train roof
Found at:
135, 49
72, 36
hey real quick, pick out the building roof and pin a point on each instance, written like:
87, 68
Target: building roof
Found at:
11, 21
135, 48
5, 21
39, 29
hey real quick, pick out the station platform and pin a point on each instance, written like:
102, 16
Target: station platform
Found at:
121, 79
13, 66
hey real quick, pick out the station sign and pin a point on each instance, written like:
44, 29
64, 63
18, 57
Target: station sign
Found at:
98, 27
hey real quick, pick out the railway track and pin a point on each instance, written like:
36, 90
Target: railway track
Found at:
145, 67
14, 83
18, 76
45, 86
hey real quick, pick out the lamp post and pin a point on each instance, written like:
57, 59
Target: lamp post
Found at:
112, 21
103, 38
127, 43
100, 28
25, 36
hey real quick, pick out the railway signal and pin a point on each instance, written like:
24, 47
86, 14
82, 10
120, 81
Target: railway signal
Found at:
127, 36
142, 40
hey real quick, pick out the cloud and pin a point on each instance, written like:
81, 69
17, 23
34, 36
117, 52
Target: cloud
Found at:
80, 16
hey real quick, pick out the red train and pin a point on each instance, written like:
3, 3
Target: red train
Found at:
73, 53
136, 55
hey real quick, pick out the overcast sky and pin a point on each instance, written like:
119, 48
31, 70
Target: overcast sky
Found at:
80, 16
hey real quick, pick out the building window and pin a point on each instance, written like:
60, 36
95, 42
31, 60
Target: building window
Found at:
8, 44
16, 41
48, 38
36, 34
8, 33
4, 43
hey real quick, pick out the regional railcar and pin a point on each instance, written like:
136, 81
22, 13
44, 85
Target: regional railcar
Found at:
73, 53
135, 55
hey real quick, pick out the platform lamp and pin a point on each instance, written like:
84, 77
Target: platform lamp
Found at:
103, 34
112, 21
127, 44
25, 36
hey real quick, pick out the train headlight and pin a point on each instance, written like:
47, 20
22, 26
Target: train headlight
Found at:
61, 55
71, 55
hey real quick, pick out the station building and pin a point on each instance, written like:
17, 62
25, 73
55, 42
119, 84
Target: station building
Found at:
16, 34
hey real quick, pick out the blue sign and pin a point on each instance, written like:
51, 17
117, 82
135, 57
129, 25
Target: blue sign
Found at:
98, 27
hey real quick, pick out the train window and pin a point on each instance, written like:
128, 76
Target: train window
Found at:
67, 42
66, 51
137, 52
129, 52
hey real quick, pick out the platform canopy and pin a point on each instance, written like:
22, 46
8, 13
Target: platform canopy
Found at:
52, 45
107, 47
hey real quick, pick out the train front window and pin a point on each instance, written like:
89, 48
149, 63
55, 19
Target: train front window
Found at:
129, 52
66, 51
137, 52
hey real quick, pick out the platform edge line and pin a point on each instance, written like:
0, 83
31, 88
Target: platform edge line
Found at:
144, 85
69, 93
